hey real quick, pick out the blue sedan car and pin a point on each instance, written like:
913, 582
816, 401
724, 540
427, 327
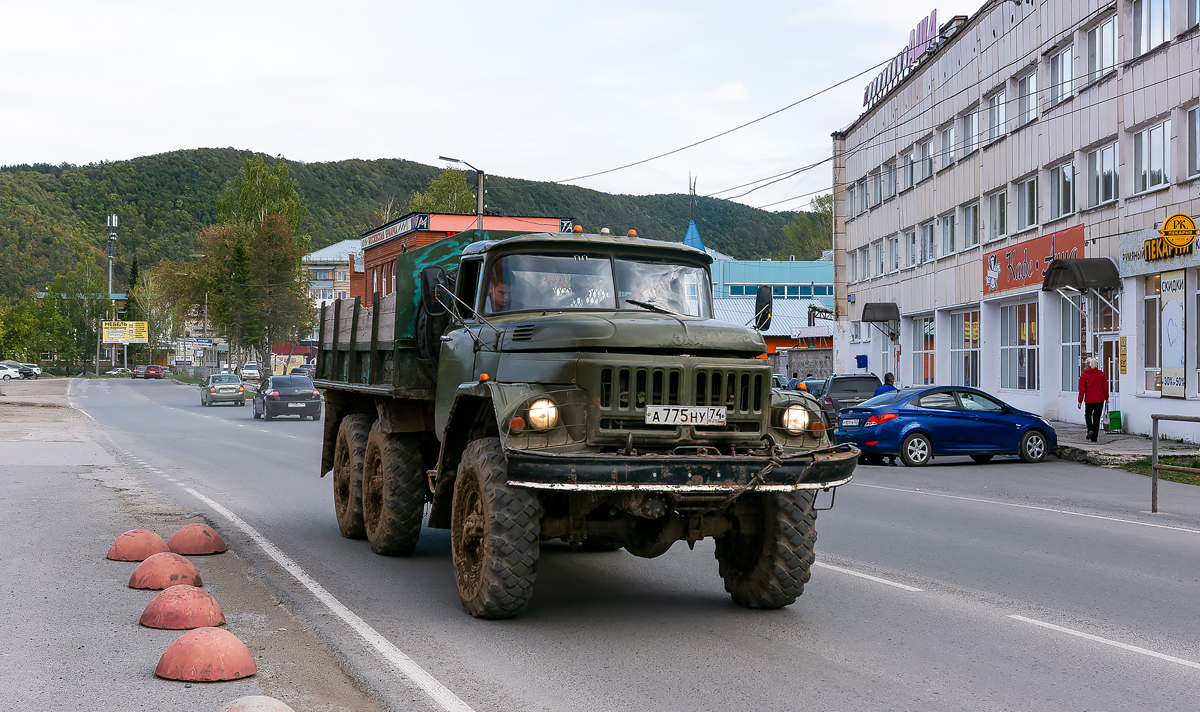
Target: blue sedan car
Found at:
918, 424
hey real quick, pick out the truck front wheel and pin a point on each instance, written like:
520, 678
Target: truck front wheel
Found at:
766, 557
348, 453
393, 492
494, 534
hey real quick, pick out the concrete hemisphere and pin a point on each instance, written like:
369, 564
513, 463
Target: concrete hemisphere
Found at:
206, 655
183, 607
163, 571
196, 540
136, 545
256, 703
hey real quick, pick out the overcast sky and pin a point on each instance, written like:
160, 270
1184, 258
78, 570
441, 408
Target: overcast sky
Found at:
536, 90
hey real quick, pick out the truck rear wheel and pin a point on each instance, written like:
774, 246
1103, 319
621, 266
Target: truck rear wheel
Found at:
494, 535
766, 563
393, 492
348, 453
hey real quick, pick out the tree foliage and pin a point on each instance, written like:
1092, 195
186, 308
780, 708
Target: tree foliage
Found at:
262, 191
810, 234
447, 193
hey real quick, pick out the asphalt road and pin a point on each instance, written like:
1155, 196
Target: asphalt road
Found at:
957, 586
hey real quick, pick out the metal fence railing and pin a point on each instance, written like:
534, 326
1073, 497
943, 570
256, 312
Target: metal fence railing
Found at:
1154, 466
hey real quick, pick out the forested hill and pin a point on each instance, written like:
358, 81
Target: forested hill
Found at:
51, 217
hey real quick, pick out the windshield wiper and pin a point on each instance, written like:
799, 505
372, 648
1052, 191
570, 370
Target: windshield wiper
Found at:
651, 307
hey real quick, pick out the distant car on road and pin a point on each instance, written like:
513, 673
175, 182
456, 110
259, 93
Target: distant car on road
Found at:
138, 372
154, 372
843, 390
8, 373
778, 380
249, 371
304, 370
918, 424
222, 388
287, 395
121, 371
37, 370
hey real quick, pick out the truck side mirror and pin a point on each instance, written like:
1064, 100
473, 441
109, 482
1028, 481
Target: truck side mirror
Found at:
434, 290
762, 308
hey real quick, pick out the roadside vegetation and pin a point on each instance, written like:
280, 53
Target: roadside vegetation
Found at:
1142, 467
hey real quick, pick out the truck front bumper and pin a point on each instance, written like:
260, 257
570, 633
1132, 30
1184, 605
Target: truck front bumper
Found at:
813, 470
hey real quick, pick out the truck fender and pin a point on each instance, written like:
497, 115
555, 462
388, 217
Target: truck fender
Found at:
472, 417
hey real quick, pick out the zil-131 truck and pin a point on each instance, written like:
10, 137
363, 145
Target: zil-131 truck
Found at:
522, 388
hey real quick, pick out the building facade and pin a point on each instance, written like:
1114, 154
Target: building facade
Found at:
994, 145
329, 272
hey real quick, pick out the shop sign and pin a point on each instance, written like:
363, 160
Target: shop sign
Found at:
1150, 251
1174, 334
1123, 356
923, 38
420, 221
1025, 264
124, 332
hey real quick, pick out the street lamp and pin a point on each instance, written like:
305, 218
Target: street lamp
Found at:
478, 187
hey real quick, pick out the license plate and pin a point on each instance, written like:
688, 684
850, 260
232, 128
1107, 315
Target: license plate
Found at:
685, 415
226, 390
850, 422
296, 405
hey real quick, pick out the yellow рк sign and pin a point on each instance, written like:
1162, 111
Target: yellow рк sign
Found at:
1175, 238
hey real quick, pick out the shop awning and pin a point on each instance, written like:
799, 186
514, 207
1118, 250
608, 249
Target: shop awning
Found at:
1081, 274
881, 311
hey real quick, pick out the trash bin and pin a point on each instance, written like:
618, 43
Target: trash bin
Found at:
1114, 421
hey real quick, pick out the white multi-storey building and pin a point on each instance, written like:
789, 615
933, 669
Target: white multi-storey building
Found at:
990, 147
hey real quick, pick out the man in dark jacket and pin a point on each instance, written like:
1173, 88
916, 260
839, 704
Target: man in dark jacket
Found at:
1093, 390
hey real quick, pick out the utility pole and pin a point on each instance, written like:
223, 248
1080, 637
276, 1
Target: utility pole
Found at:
112, 241
478, 189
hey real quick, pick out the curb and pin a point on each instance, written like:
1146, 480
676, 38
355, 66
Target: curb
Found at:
1093, 457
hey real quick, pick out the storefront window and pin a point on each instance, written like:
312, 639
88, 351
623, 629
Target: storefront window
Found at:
1150, 344
1106, 309
1018, 346
964, 349
922, 350
1070, 343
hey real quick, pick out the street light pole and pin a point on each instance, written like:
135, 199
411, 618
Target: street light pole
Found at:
112, 241
478, 189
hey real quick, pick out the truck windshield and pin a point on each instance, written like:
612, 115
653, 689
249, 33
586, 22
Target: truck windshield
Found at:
587, 282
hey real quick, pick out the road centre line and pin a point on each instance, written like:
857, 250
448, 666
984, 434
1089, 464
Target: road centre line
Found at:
1106, 641
1031, 506
876, 579
438, 692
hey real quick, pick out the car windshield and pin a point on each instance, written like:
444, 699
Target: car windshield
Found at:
595, 282
225, 379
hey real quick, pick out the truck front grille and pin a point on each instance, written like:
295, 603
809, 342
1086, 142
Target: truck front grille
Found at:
625, 391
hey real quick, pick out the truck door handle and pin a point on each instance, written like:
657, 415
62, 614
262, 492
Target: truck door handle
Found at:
445, 337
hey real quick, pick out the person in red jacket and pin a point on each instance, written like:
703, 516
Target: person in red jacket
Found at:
1093, 390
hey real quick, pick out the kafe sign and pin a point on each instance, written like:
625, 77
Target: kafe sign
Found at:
921, 39
1025, 264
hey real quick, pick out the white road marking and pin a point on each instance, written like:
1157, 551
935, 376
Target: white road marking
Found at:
293, 437
440, 694
1034, 507
263, 431
1106, 641
81, 410
876, 579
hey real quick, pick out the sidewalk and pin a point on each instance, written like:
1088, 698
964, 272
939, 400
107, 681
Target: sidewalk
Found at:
1112, 449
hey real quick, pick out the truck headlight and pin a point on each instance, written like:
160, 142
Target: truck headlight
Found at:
795, 419
543, 414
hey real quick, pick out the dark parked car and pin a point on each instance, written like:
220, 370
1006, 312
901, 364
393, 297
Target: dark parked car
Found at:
918, 424
138, 372
305, 370
840, 391
222, 388
287, 395
154, 372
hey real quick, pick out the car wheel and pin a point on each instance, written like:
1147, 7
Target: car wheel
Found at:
1033, 446
256, 415
7, 377
765, 558
348, 453
267, 413
241, 403
916, 450
393, 492
981, 458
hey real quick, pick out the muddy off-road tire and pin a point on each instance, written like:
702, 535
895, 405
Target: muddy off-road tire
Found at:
393, 492
494, 535
767, 566
348, 454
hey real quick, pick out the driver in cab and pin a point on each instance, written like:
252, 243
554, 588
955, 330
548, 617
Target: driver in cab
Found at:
499, 298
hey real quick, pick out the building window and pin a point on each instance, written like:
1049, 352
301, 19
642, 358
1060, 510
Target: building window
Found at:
1150, 21
998, 215
1193, 119
876, 189
864, 263
851, 266
970, 226
1102, 49
889, 180
1062, 190
862, 197
855, 331
1027, 99
1152, 349
947, 153
1151, 157
922, 350
851, 204
1193, 17
341, 275
1018, 347
1027, 207
320, 274
964, 349
879, 257
1106, 314
1070, 338
1061, 75
926, 159
927, 242
893, 253
970, 132
1102, 175
996, 116
343, 294
907, 166
910, 243
947, 221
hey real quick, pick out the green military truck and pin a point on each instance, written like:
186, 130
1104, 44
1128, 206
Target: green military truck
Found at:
574, 387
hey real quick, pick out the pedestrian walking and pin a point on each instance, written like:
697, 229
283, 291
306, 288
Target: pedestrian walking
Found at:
1093, 392
889, 384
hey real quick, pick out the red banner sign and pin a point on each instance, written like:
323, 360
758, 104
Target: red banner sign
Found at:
1024, 264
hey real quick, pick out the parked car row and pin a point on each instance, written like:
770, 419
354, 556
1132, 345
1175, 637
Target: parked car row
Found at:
15, 369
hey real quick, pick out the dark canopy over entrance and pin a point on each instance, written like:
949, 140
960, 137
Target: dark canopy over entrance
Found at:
886, 312
1081, 274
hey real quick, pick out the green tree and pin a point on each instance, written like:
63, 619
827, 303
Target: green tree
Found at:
262, 191
150, 299
447, 193
80, 298
809, 234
